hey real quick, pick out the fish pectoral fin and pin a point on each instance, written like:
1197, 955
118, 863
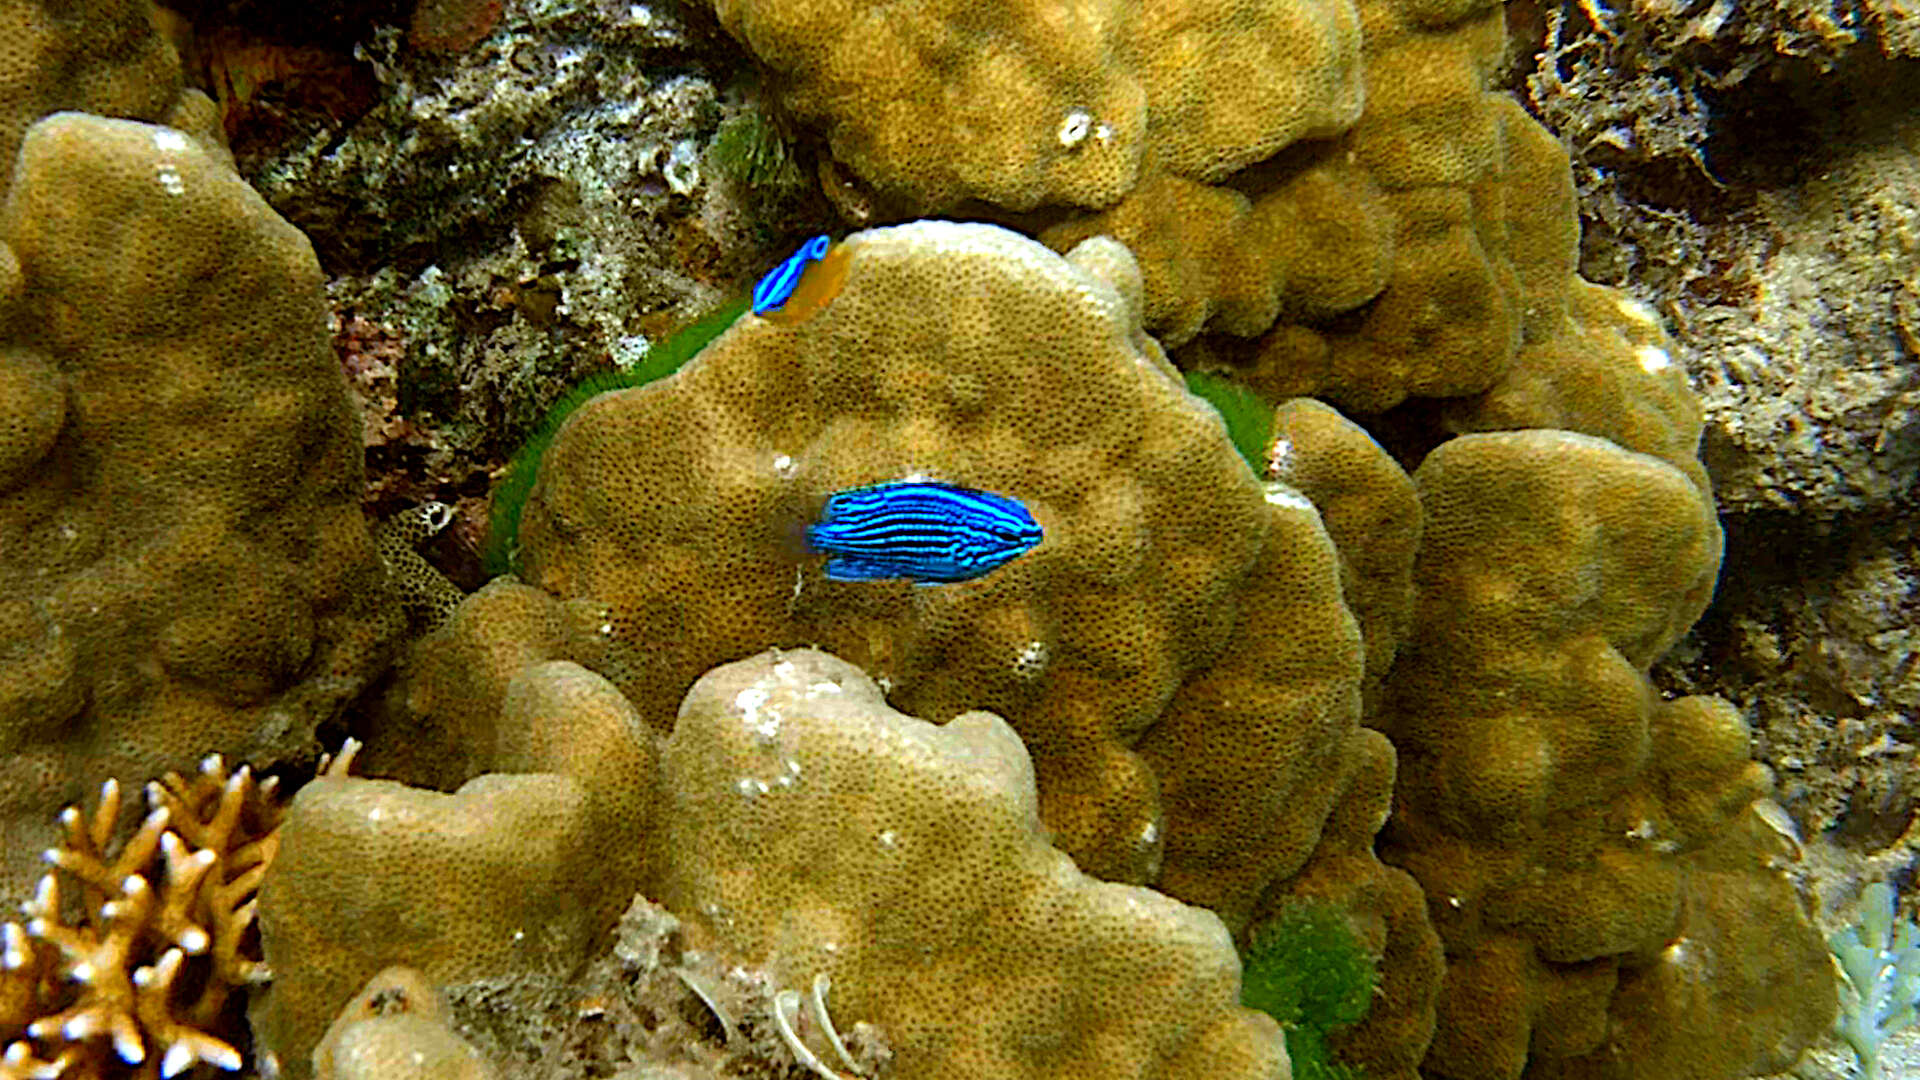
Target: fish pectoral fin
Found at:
854, 568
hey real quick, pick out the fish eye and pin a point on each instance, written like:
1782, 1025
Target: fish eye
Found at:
817, 247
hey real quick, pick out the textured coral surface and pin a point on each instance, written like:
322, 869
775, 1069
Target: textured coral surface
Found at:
1564, 820
182, 510
1170, 607
811, 827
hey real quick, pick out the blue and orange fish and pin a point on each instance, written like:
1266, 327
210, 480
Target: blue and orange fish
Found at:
923, 530
776, 286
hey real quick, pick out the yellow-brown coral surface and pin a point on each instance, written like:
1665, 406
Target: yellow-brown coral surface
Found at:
180, 508
1588, 849
1176, 653
809, 825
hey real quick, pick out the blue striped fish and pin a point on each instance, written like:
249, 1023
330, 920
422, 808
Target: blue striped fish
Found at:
778, 284
922, 530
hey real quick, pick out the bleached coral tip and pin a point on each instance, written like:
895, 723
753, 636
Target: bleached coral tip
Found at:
210, 764
109, 789
127, 1045
70, 816
194, 940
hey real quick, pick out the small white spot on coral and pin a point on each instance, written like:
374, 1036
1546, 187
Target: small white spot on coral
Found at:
1149, 834
1030, 661
1280, 458
1637, 311
816, 689
889, 838
168, 140
519, 935
784, 671
1653, 359
1075, 128
1453, 902
748, 701
783, 467
170, 180
1103, 133
1284, 496
375, 814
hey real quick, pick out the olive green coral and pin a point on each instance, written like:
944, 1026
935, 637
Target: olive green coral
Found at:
1568, 824
193, 572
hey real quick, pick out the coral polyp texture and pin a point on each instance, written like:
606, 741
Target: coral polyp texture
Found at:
809, 826
98, 56
535, 848
181, 504
138, 944
937, 102
1171, 595
1404, 242
1588, 849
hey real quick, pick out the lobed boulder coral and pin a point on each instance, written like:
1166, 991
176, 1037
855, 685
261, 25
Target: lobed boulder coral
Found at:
809, 825
1407, 248
96, 56
937, 102
179, 506
1589, 850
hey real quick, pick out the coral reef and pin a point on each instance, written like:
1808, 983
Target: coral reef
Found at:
135, 949
534, 854
181, 511
809, 826
1588, 848
1160, 550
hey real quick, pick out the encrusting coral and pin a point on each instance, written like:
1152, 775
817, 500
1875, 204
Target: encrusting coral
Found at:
809, 826
137, 944
181, 512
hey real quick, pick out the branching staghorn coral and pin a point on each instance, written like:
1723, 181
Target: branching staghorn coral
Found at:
136, 943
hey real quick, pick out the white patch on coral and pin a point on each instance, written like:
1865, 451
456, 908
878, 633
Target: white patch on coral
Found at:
1029, 662
1637, 311
168, 141
1285, 497
1075, 128
816, 689
1653, 359
1280, 458
1150, 834
784, 468
170, 181
682, 170
889, 839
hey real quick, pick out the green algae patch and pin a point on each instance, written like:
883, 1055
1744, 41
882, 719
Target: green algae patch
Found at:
1308, 970
502, 552
1248, 417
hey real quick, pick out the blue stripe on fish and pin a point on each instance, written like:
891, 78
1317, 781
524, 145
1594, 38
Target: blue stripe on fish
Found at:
922, 530
778, 284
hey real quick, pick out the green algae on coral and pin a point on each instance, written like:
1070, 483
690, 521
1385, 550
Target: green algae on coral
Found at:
1248, 417
1307, 970
502, 553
